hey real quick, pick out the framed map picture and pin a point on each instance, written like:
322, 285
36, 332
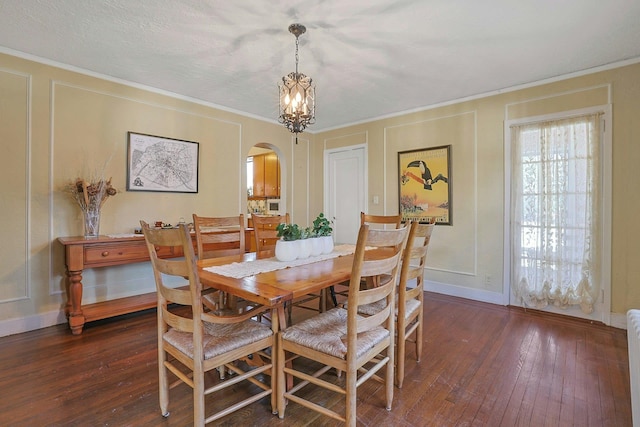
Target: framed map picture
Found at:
425, 184
155, 163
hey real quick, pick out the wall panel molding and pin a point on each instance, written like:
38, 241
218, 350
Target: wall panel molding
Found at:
230, 146
464, 153
16, 131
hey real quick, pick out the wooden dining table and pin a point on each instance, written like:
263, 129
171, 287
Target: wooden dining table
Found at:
272, 289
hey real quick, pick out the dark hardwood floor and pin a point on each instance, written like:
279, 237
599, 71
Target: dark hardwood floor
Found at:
483, 365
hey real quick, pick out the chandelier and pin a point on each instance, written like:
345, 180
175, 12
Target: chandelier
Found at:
297, 95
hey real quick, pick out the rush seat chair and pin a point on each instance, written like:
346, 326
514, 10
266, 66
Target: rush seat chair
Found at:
192, 341
340, 338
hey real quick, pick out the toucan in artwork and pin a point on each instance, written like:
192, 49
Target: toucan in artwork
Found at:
426, 180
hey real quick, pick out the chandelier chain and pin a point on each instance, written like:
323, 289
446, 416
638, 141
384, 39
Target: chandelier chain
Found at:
297, 44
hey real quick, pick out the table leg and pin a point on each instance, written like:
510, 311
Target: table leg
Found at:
372, 282
282, 318
73, 307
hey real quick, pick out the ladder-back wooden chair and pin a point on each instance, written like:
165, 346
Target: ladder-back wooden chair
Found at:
385, 221
264, 229
218, 237
192, 342
410, 315
379, 221
410, 299
340, 338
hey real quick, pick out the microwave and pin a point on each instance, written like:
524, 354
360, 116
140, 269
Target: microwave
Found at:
273, 206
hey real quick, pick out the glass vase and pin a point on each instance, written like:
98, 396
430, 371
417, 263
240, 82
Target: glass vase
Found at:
91, 223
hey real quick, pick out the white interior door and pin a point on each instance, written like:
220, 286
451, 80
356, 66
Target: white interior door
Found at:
345, 190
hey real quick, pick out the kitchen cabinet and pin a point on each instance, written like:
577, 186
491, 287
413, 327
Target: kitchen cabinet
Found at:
271, 175
251, 242
266, 175
258, 176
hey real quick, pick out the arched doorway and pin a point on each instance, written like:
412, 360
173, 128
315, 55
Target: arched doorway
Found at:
265, 190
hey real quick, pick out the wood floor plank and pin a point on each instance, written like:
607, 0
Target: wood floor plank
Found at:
500, 387
564, 384
486, 392
483, 365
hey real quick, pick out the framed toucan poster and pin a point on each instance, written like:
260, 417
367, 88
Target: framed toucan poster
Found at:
425, 185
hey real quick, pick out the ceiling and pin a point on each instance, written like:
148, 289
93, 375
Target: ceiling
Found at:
368, 58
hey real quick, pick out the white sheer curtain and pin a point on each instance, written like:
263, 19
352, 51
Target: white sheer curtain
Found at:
555, 212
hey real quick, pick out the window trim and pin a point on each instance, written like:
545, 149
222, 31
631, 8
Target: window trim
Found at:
603, 305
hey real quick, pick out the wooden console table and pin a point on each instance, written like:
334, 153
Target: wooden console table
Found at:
81, 253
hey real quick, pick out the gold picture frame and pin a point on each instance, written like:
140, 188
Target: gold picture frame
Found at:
424, 185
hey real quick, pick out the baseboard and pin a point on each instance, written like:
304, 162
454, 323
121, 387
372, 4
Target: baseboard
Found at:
481, 295
31, 323
618, 321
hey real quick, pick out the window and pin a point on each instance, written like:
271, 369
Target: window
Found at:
556, 212
249, 176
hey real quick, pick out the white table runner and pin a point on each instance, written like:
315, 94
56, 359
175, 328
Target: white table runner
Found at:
238, 270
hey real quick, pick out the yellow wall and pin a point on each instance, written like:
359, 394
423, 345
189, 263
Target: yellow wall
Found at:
468, 256
56, 125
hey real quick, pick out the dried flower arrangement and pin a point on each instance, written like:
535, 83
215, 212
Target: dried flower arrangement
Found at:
91, 195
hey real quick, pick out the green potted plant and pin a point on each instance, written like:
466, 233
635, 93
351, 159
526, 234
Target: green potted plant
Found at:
322, 226
288, 246
322, 230
288, 232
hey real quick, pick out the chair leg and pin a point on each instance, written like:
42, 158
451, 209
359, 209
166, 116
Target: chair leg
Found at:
221, 371
351, 390
274, 379
198, 397
388, 381
419, 336
163, 384
281, 386
400, 352
332, 289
